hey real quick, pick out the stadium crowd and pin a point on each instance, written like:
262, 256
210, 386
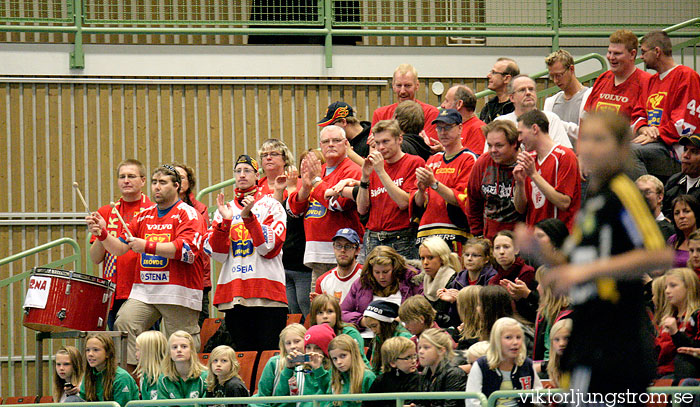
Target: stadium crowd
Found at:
431, 249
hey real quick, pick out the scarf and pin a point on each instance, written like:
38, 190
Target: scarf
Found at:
239, 194
431, 285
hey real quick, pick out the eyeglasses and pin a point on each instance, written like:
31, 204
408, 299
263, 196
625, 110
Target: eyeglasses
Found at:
240, 171
271, 154
557, 75
492, 72
411, 357
444, 129
332, 140
344, 247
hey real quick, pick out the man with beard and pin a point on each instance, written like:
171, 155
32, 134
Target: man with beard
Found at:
490, 207
338, 280
167, 237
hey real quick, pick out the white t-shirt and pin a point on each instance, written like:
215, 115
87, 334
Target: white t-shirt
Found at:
332, 284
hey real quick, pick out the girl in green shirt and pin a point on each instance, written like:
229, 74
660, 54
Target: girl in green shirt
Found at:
348, 374
104, 380
183, 376
325, 309
151, 349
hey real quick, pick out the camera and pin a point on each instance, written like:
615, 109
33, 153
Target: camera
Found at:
301, 359
68, 386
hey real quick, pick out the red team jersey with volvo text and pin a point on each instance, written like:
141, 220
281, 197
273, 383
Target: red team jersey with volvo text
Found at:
159, 280
622, 98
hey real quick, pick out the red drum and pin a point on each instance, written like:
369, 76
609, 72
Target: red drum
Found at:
60, 300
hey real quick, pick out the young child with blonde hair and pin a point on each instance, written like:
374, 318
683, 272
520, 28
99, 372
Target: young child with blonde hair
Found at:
183, 376
399, 371
505, 366
349, 375
223, 379
151, 350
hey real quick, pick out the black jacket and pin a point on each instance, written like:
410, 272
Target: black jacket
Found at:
446, 378
393, 381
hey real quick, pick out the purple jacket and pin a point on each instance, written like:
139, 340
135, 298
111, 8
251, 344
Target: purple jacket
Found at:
461, 280
358, 298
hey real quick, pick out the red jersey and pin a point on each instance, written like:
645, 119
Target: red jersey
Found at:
672, 104
472, 136
560, 169
430, 113
203, 261
251, 252
120, 270
438, 218
323, 217
622, 98
266, 189
175, 281
384, 213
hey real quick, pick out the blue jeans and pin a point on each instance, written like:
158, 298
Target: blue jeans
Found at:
403, 241
298, 289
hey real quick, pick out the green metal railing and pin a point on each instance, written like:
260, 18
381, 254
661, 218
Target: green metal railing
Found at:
92, 404
211, 189
553, 19
318, 399
75, 257
679, 395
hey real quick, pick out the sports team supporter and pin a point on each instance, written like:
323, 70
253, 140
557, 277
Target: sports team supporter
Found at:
523, 93
618, 89
189, 181
669, 107
247, 237
388, 177
131, 177
405, 85
615, 241
462, 99
338, 280
490, 189
342, 115
280, 179
547, 178
324, 216
503, 71
441, 196
167, 238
